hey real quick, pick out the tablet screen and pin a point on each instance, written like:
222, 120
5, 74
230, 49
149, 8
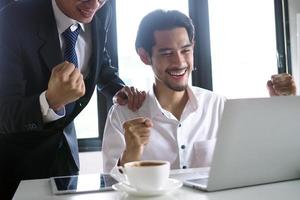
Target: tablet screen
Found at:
82, 183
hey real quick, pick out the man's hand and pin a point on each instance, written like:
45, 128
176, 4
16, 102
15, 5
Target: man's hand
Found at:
131, 96
137, 134
66, 85
281, 85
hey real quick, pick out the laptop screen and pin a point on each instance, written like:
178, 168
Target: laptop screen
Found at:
258, 142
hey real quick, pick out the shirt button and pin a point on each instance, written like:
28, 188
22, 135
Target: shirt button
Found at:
182, 146
184, 167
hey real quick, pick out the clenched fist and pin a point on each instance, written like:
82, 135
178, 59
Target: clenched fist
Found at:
137, 134
281, 85
66, 85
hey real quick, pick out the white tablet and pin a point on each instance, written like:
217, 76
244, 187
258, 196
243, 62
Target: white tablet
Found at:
81, 183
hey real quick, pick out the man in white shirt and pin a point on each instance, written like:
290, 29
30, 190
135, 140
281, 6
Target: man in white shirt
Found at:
177, 122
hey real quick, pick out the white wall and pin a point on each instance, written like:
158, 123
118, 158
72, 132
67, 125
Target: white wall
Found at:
90, 162
294, 8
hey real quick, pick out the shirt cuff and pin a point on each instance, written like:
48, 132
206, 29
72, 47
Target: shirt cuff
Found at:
49, 114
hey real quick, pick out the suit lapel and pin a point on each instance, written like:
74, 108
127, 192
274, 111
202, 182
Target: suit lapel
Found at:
50, 51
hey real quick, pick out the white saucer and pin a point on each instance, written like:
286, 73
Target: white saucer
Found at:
171, 185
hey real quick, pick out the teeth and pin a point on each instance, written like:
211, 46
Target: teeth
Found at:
177, 72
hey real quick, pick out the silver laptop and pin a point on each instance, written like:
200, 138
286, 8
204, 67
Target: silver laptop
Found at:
258, 142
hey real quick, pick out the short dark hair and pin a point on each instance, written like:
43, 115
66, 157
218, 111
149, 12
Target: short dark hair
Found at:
161, 20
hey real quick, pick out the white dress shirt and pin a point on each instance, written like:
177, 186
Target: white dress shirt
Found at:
185, 143
83, 52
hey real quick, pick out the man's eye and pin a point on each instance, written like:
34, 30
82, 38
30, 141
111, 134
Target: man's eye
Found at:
186, 50
166, 53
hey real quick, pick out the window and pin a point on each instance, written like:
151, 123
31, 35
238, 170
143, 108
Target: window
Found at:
243, 46
86, 122
87, 126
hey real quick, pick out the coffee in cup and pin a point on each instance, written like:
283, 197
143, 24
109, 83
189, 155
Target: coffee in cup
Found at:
147, 164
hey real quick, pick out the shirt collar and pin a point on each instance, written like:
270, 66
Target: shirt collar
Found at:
154, 105
63, 22
192, 98
156, 109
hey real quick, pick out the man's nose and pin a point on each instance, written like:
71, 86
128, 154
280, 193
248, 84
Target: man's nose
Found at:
178, 58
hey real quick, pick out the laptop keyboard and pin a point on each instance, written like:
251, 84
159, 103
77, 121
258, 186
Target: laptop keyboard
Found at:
188, 174
200, 181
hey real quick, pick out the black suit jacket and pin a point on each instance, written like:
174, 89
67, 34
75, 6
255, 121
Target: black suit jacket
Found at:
3, 3
29, 49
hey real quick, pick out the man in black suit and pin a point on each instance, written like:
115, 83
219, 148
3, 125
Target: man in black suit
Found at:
42, 91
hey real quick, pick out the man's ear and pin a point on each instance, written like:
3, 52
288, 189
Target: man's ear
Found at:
144, 56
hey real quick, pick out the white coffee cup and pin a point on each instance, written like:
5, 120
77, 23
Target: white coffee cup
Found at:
144, 175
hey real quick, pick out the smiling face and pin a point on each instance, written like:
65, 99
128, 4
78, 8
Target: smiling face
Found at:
82, 11
172, 59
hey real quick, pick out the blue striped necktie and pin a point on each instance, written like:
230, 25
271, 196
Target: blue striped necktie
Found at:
70, 42
70, 55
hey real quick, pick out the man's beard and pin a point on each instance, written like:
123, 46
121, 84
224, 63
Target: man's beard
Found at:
178, 88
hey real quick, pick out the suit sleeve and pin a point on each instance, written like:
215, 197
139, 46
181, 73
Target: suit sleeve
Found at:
109, 82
